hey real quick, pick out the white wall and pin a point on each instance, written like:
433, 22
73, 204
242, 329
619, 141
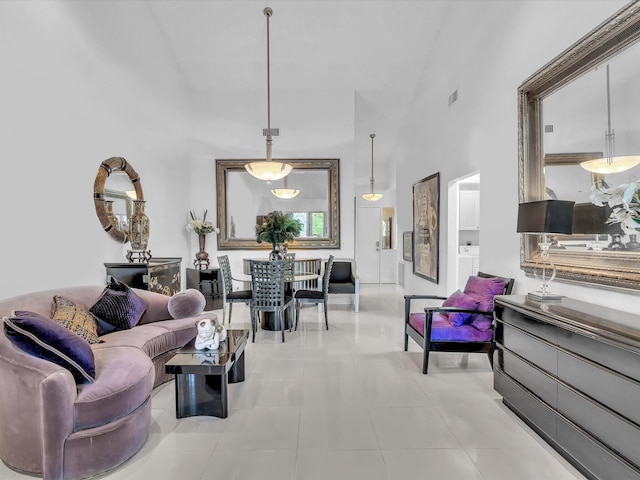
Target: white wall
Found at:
486, 50
82, 82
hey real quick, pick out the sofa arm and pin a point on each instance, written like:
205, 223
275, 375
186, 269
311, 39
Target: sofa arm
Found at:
36, 411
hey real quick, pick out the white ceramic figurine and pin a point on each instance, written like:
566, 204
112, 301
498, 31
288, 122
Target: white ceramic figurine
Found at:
208, 338
210, 334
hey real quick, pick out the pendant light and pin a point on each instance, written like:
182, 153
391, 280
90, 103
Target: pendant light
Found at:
371, 196
268, 169
286, 192
611, 163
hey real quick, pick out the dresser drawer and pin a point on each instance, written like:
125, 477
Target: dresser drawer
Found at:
620, 435
534, 412
591, 456
614, 358
606, 387
529, 347
528, 324
533, 379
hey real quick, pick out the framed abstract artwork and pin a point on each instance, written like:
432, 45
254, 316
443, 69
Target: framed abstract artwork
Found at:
407, 246
426, 227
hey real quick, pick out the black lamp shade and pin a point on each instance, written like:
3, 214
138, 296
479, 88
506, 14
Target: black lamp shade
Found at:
592, 219
546, 216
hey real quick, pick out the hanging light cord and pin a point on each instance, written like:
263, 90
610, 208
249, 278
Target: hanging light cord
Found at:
372, 180
610, 145
268, 12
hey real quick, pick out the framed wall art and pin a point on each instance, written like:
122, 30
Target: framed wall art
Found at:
426, 227
407, 246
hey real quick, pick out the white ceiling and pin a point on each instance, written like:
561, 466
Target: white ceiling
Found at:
364, 45
374, 48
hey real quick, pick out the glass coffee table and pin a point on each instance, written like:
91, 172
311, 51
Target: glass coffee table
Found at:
201, 376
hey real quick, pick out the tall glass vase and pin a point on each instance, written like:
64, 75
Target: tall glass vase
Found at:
139, 234
202, 258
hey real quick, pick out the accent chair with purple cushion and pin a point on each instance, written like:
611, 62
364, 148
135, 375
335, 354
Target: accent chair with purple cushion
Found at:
56, 422
464, 322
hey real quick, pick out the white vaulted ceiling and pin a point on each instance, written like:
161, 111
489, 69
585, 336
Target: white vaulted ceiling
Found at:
377, 49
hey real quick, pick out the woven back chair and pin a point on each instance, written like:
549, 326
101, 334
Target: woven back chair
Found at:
316, 296
268, 292
229, 296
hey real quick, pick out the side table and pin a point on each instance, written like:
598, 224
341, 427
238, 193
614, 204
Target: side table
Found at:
201, 376
209, 282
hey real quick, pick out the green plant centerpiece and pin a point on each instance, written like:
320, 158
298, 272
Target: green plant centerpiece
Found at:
278, 228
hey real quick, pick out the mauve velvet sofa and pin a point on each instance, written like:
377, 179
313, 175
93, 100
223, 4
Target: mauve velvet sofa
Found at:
52, 427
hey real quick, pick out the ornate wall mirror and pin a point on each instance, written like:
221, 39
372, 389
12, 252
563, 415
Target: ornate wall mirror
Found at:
563, 110
116, 186
242, 199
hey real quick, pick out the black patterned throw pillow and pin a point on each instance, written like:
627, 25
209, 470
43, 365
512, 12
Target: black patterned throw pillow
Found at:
119, 306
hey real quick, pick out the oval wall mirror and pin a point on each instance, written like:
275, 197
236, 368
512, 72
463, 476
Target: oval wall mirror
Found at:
115, 188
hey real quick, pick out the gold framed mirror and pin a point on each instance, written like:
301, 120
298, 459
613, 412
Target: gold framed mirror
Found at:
613, 40
126, 188
243, 199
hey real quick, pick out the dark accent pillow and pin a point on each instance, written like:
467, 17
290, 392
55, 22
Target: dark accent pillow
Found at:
460, 300
188, 303
75, 317
44, 338
119, 306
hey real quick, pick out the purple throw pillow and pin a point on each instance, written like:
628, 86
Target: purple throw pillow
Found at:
119, 306
460, 300
188, 303
44, 338
483, 290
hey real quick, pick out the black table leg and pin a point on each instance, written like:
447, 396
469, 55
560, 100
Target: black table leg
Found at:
202, 395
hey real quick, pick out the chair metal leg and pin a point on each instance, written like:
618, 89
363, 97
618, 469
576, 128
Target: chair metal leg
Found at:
326, 318
297, 314
230, 310
224, 312
283, 320
254, 323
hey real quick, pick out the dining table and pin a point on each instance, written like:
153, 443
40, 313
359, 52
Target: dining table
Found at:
293, 281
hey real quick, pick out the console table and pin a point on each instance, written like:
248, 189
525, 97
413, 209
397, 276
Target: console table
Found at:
209, 282
571, 371
160, 275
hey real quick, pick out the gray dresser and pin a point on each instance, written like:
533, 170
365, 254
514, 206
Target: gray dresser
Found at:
571, 371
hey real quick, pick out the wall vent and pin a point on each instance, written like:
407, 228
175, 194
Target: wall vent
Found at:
548, 129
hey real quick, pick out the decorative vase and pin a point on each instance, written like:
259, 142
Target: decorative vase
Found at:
616, 242
139, 233
633, 243
276, 253
202, 258
113, 220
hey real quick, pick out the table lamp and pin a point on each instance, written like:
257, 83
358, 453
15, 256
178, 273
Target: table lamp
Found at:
544, 217
591, 219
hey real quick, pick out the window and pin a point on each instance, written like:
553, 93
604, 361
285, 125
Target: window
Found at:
313, 223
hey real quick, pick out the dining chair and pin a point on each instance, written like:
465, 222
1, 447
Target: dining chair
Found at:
289, 267
315, 296
268, 292
228, 294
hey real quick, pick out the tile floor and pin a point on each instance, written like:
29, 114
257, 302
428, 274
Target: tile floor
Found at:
348, 404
